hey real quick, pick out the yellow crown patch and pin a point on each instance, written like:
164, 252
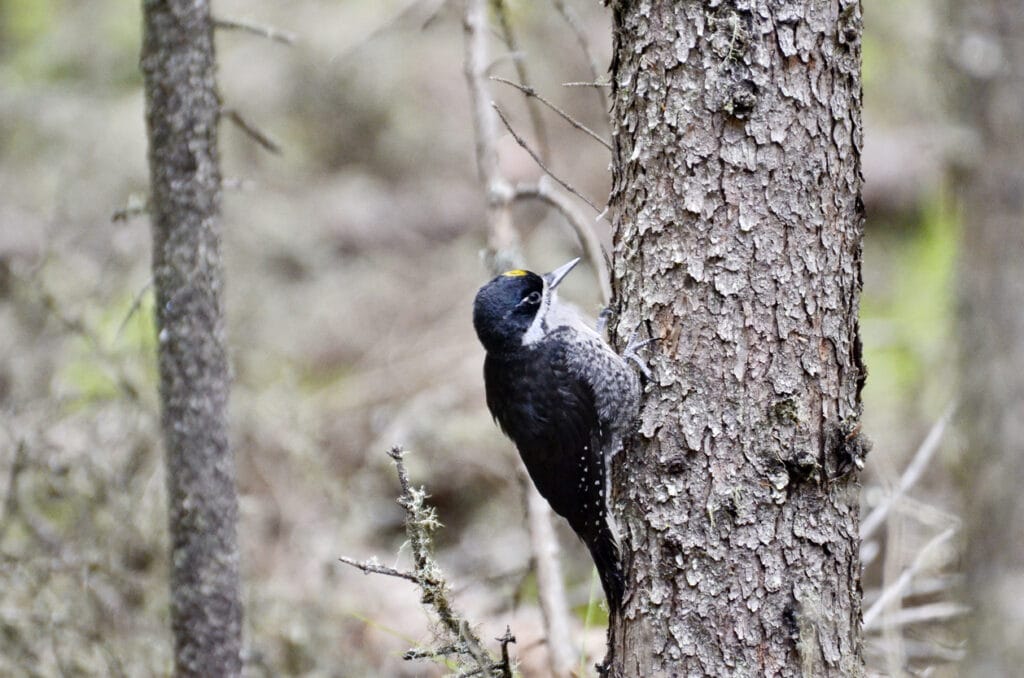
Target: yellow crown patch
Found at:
517, 273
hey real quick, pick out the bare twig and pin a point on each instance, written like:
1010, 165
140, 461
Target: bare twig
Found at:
283, 37
420, 522
896, 591
136, 303
583, 228
136, 207
911, 475
540, 163
475, 70
595, 83
531, 93
415, 14
373, 567
921, 614
249, 128
941, 584
502, 240
509, 36
503, 249
550, 588
570, 18
431, 653
505, 640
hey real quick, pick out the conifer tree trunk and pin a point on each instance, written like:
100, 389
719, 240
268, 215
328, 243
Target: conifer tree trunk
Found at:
182, 109
738, 226
991, 61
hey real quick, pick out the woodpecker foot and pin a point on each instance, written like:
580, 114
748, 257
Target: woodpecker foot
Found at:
632, 353
602, 319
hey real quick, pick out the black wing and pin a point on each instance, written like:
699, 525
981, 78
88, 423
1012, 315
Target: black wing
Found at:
549, 412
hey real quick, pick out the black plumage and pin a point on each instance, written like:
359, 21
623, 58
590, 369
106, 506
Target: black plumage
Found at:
564, 398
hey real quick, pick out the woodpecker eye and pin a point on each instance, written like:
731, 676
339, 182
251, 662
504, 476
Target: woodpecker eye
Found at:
532, 298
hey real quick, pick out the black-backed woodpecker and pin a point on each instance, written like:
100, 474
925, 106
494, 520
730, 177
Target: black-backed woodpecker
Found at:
564, 397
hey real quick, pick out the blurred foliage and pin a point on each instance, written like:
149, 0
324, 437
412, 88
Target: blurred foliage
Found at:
25, 21
125, 334
907, 309
41, 43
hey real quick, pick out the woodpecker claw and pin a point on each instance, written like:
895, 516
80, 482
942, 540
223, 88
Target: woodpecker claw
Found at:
632, 353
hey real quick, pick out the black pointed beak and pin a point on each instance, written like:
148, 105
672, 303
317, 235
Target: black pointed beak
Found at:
552, 279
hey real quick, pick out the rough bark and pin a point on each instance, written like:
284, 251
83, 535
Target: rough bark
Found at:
181, 119
738, 226
991, 59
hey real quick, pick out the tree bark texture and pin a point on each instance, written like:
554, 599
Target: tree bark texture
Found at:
738, 227
991, 59
182, 108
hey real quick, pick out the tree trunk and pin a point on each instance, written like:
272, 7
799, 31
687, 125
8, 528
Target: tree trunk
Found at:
181, 118
991, 58
738, 226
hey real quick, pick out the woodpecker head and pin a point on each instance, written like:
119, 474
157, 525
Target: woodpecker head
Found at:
511, 311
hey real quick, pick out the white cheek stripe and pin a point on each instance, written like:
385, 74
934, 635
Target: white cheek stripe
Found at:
538, 328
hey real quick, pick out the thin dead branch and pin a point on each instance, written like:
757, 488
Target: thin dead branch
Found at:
420, 524
911, 475
505, 641
532, 94
415, 15
509, 36
430, 653
922, 614
250, 129
550, 587
502, 239
540, 163
136, 207
569, 16
580, 225
373, 567
504, 253
895, 592
136, 303
475, 70
274, 34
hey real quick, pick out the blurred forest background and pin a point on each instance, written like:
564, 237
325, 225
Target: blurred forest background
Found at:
352, 261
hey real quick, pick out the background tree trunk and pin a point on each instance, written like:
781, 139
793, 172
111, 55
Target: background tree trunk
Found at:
738, 226
181, 117
991, 58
